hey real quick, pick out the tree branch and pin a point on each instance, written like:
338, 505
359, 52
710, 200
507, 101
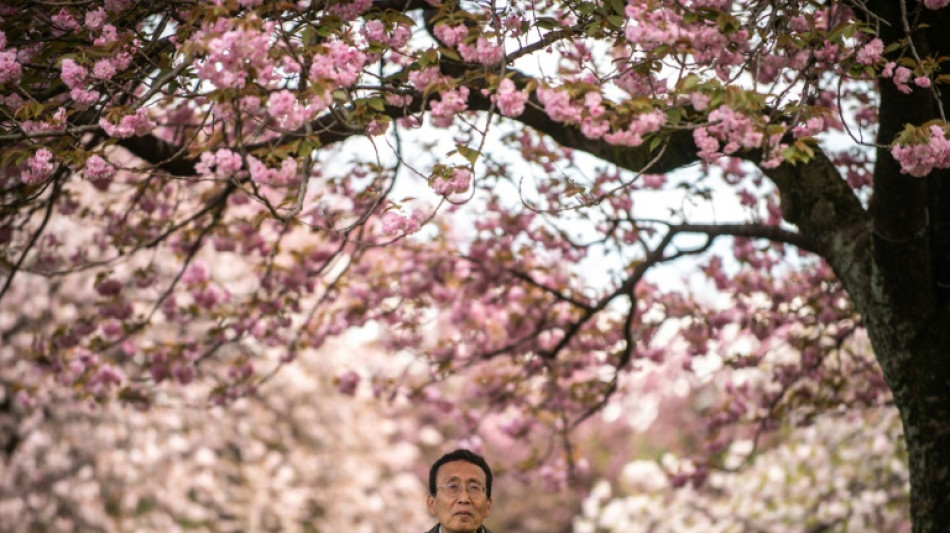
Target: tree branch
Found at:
755, 231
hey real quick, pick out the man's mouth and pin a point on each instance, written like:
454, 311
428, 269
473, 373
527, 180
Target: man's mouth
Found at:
464, 513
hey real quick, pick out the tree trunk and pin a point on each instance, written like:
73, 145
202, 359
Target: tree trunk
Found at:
919, 377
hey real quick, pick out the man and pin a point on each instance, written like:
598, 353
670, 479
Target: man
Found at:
460, 493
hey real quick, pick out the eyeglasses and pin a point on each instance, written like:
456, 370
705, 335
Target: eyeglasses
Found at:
453, 490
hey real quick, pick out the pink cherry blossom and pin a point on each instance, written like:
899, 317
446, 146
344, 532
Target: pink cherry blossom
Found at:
902, 75
449, 104
109, 34
63, 20
699, 101
10, 70
374, 30
642, 124
558, 105
73, 75
510, 101
457, 182
286, 174
103, 69
811, 127
83, 98
640, 84
232, 53
285, 109
483, 51
451, 35
871, 52
95, 19
422, 79
38, 167
136, 124
350, 9
338, 63
196, 274
396, 223
97, 169
919, 160
223, 163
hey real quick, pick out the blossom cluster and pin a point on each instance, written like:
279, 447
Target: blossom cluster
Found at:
375, 32
650, 29
223, 163
641, 125
451, 182
729, 131
863, 479
98, 170
510, 100
38, 167
10, 69
920, 158
450, 103
395, 222
591, 114
338, 64
112, 468
286, 174
236, 54
139, 123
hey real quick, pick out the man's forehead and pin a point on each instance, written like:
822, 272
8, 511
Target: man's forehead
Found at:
461, 470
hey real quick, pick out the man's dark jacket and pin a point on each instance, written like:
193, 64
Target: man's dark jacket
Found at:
436, 529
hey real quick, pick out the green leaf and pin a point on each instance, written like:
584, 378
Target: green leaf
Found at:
468, 153
450, 53
893, 47
572, 189
727, 23
307, 36
307, 146
429, 57
377, 103
689, 83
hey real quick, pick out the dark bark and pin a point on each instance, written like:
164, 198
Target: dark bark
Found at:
907, 316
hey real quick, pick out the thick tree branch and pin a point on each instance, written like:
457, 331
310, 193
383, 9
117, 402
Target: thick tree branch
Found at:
755, 231
829, 215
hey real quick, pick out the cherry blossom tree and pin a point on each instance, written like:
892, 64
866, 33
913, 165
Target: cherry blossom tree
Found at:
271, 462
199, 193
839, 475
844, 470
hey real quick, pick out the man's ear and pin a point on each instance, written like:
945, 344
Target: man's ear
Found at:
430, 504
488, 508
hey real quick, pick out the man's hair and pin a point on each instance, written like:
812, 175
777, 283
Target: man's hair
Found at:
461, 455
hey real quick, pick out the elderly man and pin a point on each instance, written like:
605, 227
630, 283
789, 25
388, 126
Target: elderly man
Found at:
460, 493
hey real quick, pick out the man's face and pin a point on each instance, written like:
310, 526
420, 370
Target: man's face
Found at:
463, 513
